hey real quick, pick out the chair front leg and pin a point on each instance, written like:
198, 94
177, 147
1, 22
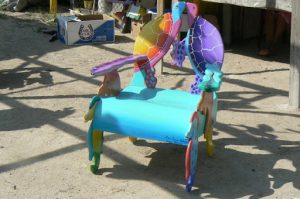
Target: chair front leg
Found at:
210, 147
97, 141
191, 156
132, 139
191, 163
206, 107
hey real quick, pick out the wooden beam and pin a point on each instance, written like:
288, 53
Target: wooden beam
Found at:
294, 94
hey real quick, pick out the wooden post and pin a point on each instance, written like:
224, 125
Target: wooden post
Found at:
72, 4
227, 24
160, 11
53, 7
160, 7
93, 9
294, 94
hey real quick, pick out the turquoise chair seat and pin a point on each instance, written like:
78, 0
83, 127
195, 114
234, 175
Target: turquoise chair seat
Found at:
143, 111
148, 113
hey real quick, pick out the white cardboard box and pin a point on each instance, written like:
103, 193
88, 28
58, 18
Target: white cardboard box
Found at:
85, 29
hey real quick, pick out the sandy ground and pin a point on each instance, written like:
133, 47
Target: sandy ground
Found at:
45, 89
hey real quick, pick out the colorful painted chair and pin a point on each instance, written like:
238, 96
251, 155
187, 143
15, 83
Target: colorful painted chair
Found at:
142, 111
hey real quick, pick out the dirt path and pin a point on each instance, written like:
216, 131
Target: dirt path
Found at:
45, 89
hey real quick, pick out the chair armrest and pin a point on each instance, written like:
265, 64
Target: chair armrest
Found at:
108, 67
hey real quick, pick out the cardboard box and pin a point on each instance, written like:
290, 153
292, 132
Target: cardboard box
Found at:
85, 29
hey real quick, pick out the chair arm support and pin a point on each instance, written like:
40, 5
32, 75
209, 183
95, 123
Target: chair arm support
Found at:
108, 67
212, 79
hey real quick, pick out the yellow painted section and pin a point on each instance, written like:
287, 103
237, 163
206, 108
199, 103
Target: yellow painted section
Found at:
53, 6
97, 140
90, 114
152, 37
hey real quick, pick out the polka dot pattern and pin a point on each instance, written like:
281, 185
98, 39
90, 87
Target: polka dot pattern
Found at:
150, 78
178, 53
194, 86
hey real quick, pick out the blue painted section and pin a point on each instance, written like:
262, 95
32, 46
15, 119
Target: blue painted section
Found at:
212, 78
201, 129
172, 98
139, 79
93, 101
104, 33
59, 31
177, 11
157, 114
105, 30
189, 184
215, 106
194, 154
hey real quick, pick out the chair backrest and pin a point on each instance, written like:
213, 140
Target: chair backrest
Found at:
154, 41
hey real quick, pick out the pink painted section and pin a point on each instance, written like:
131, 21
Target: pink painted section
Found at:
192, 10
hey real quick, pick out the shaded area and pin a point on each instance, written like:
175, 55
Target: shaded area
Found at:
25, 117
42, 157
259, 72
166, 167
235, 100
123, 39
13, 79
250, 48
52, 154
21, 75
